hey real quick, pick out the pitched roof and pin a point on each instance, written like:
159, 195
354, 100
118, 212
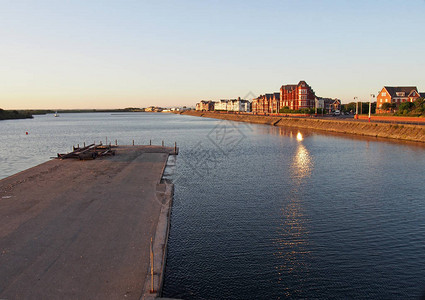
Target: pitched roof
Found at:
393, 90
422, 95
289, 87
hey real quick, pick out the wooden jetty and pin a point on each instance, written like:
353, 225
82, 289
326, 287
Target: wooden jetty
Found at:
89, 152
82, 230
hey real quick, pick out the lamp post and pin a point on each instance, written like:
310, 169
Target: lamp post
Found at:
370, 103
357, 108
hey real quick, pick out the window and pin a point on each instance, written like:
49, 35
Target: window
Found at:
400, 94
383, 94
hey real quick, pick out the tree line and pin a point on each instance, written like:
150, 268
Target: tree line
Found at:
14, 114
415, 108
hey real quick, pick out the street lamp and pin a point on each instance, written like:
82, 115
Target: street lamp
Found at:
370, 103
357, 108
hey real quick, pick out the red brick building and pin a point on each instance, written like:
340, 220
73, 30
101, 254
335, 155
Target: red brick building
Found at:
267, 103
275, 102
294, 96
297, 96
396, 95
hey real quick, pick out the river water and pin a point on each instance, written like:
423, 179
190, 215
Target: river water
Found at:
262, 212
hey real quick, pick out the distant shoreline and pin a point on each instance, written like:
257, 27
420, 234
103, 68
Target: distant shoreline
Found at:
404, 132
29, 113
15, 115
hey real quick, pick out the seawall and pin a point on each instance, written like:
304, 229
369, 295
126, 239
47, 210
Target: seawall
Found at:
403, 132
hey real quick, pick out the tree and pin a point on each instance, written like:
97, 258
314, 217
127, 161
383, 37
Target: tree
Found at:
308, 111
350, 107
363, 107
406, 106
419, 102
285, 109
386, 106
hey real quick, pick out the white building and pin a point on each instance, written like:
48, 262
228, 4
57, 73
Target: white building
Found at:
233, 105
320, 103
221, 105
328, 104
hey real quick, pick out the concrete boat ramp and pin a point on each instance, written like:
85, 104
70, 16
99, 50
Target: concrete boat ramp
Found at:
82, 229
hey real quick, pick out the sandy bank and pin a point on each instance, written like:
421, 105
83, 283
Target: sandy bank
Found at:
404, 132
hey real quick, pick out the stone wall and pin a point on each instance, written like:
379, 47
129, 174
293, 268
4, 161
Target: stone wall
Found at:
383, 130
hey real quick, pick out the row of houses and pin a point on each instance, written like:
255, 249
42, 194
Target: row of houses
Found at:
294, 97
301, 96
239, 105
233, 105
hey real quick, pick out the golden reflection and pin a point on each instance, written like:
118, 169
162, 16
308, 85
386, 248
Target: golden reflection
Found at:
292, 243
293, 246
283, 131
293, 133
299, 136
302, 164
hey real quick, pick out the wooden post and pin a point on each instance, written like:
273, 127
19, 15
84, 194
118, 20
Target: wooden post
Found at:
162, 143
150, 142
116, 143
84, 144
152, 278
133, 142
175, 147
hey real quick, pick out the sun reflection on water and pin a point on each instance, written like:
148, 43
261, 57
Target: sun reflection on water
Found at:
293, 243
302, 164
299, 136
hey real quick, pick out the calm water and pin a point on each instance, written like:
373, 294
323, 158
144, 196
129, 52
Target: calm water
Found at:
264, 212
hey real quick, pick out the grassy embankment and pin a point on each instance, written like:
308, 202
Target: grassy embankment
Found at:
383, 130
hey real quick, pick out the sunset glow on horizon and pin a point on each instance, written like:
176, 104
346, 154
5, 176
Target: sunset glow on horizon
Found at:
96, 54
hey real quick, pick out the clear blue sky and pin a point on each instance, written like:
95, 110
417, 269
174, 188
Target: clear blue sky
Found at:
112, 54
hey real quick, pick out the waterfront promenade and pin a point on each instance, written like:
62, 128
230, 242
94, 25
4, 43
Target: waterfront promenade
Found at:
75, 229
401, 132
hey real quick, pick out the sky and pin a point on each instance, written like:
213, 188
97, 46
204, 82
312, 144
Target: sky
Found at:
115, 54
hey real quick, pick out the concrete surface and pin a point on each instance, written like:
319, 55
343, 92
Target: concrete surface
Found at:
75, 229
